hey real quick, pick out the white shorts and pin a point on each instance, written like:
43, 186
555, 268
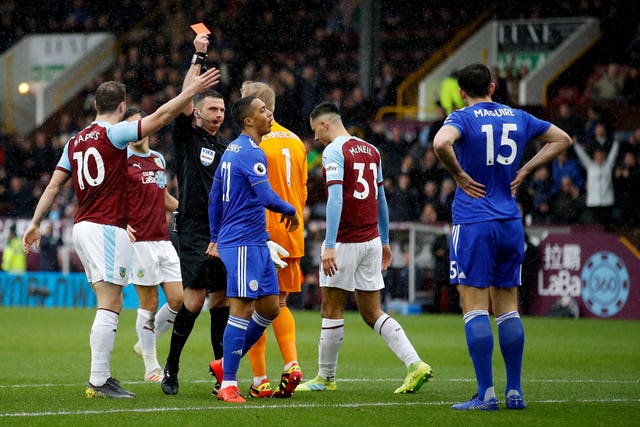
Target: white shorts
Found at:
359, 267
154, 263
105, 252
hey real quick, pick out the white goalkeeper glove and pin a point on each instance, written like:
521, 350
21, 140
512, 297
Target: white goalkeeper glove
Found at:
275, 250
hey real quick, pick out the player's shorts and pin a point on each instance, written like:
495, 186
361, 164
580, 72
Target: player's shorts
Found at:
250, 272
198, 270
359, 267
154, 263
104, 250
290, 277
487, 254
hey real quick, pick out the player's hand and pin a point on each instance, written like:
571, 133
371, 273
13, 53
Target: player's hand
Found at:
519, 179
201, 43
205, 80
212, 251
132, 233
275, 250
329, 264
291, 222
31, 236
469, 186
386, 257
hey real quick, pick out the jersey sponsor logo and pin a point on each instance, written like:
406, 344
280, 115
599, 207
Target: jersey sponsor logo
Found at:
332, 169
253, 285
260, 169
605, 284
159, 162
207, 156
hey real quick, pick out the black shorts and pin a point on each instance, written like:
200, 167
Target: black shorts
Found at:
198, 270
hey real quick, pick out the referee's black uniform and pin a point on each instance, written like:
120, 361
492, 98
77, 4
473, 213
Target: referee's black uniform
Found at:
197, 154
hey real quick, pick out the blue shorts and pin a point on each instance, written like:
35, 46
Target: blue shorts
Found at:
487, 254
250, 272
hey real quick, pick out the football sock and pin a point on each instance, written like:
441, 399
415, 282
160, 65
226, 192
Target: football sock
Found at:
331, 337
284, 328
219, 317
234, 337
164, 320
480, 344
257, 358
182, 327
393, 334
147, 338
101, 341
511, 337
255, 329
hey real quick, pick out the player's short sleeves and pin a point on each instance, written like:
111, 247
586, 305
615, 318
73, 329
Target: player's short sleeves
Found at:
333, 164
123, 133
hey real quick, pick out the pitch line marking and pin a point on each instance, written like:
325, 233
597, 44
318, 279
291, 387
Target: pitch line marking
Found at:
280, 407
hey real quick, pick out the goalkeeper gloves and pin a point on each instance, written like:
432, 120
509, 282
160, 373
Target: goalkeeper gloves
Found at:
275, 250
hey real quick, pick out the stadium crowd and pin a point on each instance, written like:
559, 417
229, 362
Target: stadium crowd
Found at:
308, 53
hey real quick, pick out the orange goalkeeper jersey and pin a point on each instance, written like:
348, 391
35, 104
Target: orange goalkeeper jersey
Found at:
287, 165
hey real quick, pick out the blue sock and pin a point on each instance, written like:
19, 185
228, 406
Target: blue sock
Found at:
480, 344
256, 327
511, 337
233, 341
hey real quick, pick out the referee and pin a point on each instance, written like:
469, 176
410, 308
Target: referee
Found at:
197, 152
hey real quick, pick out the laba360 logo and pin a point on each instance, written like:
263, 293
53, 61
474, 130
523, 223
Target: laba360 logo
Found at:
605, 284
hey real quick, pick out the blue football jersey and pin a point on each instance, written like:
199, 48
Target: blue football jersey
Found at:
492, 140
240, 194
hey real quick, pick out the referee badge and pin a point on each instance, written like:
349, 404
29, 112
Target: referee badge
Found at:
206, 156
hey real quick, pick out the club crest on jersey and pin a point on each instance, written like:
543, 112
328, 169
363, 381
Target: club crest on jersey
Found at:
161, 179
123, 272
260, 169
207, 156
140, 273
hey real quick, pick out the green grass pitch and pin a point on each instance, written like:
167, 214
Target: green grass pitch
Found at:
582, 372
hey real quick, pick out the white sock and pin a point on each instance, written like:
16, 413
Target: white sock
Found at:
101, 341
257, 380
396, 339
164, 320
147, 338
331, 337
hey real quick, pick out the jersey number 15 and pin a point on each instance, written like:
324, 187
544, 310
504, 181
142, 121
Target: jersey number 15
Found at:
504, 140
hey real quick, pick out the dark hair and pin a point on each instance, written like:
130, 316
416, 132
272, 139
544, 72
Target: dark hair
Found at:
324, 108
109, 95
241, 109
475, 80
133, 111
207, 94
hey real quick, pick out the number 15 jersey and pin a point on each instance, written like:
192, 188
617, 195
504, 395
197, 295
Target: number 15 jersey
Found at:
492, 140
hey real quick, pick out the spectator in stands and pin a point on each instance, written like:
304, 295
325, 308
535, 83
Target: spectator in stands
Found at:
428, 169
540, 190
14, 259
626, 183
449, 93
601, 139
607, 85
445, 199
403, 200
569, 122
20, 194
600, 191
632, 143
562, 166
385, 86
567, 205
49, 244
429, 214
501, 94
631, 87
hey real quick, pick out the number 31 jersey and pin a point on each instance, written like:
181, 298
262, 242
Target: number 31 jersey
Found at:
492, 140
96, 158
355, 164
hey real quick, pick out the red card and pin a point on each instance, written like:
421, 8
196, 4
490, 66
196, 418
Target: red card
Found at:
200, 28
